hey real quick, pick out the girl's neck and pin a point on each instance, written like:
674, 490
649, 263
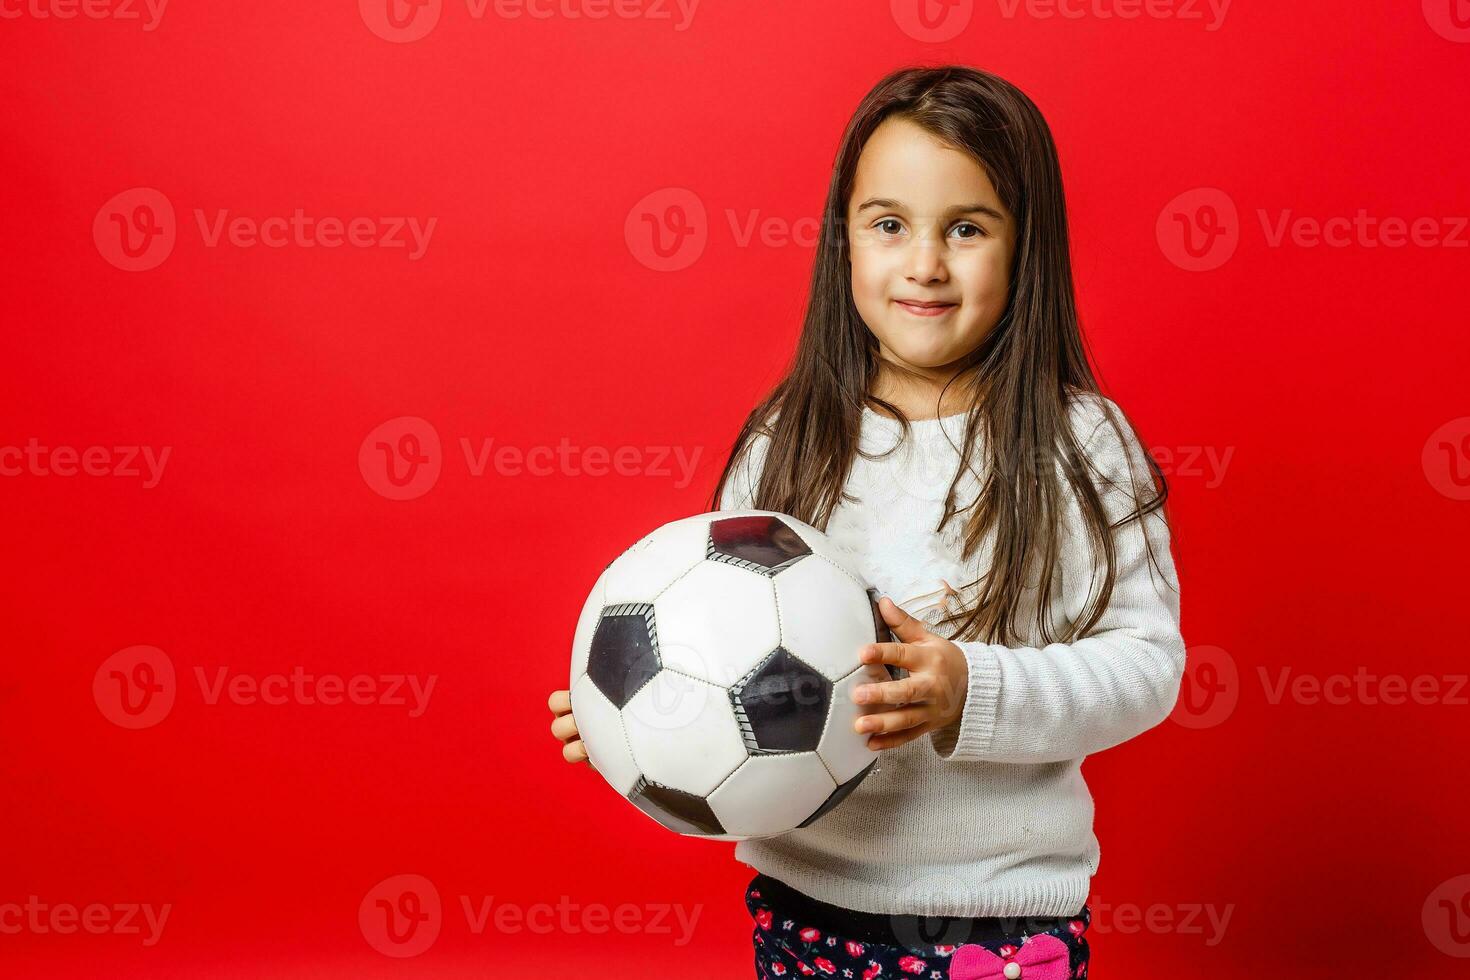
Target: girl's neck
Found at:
919, 398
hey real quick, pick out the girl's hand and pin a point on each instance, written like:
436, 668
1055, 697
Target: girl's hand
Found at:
564, 727
930, 697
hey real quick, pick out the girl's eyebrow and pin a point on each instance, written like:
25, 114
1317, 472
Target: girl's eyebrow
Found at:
889, 204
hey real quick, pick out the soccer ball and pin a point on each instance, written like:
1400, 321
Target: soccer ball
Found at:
712, 675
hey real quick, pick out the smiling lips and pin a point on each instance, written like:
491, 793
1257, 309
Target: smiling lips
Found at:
925, 307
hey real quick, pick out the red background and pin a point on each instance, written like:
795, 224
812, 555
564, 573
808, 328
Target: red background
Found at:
1330, 543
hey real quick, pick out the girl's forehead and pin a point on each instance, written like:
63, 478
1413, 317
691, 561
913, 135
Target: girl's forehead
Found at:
911, 169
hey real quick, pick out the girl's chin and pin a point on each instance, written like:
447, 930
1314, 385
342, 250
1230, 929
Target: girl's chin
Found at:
926, 355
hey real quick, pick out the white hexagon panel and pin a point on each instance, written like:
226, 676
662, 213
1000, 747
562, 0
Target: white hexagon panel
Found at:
656, 561
845, 751
600, 726
683, 733
770, 794
826, 616
718, 621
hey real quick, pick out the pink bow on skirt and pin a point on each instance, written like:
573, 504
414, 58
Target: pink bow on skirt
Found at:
1039, 958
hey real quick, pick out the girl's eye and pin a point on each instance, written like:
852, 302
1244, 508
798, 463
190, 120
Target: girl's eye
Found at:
892, 226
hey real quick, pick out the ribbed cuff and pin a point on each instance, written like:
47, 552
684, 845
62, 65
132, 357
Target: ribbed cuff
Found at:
969, 739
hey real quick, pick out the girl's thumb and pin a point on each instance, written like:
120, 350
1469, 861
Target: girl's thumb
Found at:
905, 627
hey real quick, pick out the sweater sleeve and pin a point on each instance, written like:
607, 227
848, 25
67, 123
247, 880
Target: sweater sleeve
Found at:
1067, 700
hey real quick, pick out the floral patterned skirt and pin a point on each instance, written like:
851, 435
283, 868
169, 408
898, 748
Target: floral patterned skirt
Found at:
797, 936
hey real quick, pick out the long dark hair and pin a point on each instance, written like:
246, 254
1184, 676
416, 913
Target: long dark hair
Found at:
1022, 376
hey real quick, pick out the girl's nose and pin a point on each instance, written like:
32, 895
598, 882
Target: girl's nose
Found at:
926, 261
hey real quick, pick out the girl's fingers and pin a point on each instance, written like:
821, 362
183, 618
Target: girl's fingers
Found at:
895, 739
915, 687
564, 727
892, 721
899, 654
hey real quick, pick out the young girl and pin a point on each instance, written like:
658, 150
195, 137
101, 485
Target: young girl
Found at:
940, 422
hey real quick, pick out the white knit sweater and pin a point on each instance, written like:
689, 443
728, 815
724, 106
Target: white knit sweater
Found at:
990, 816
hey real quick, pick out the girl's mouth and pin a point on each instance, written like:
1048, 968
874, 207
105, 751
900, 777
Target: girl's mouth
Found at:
925, 309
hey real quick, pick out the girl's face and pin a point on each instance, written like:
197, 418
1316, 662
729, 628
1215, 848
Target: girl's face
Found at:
925, 226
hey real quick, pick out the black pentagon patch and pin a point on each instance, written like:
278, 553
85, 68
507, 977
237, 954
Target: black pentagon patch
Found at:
883, 634
880, 628
838, 795
677, 810
624, 654
781, 705
762, 544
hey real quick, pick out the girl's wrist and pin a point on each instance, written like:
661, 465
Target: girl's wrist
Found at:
956, 684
